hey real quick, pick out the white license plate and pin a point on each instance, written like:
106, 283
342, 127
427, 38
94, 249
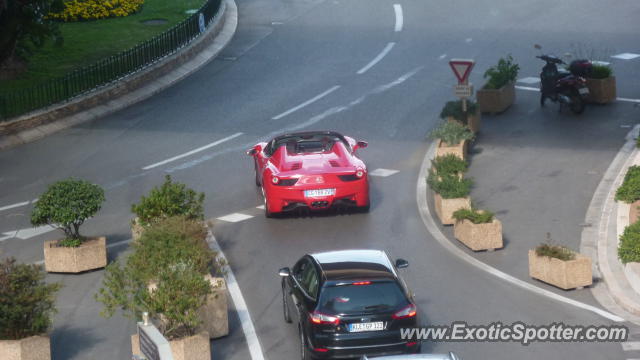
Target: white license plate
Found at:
370, 326
319, 193
583, 91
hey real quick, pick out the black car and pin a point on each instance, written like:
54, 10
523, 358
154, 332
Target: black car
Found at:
348, 304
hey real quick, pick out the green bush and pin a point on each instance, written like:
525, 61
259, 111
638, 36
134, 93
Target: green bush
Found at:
449, 164
451, 133
555, 251
454, 109
474, 215
501, 74
629, 191
170, 199
449, 186
600, 71
638, 142
629, 247
26, 301
66, 205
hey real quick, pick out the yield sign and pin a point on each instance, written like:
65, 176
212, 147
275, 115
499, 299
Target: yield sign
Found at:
461, 68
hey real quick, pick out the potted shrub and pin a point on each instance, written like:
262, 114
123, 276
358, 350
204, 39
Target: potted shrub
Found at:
629, 245
477, 229
449, 164
67, 204
560, 266
601, 84
450, 194
452, 112
27, 304
499, 92
629, 192
169, 199
452, 138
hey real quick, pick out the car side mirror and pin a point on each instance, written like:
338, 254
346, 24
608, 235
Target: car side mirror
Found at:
284, 272
402, 263
251, 152
361, 144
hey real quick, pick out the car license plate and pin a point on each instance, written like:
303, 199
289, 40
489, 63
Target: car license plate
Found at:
319, 193
583, 91
370, 326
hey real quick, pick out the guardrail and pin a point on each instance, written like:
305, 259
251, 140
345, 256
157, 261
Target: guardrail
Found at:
110, 69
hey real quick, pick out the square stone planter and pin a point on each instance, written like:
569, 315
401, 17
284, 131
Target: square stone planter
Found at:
196, 347
496, 100
478, 237
602, 91
90, 255
459, 150
215, 312
136, 229
634, 212
446, 207
31, 348
473, 123
566, 275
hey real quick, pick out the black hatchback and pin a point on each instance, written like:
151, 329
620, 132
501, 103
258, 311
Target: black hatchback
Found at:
348, 304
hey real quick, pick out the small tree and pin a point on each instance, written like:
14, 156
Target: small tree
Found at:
26, 301
504, 72
170, 199
66, 205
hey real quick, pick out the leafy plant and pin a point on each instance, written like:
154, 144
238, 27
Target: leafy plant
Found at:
170, 199
549, 249
454, 109
26, 301
75, 10
629, 246
449, 164
501, 74
629, 191
452, 133
600, 71
449, 186
66, 205
474, 215
638, 142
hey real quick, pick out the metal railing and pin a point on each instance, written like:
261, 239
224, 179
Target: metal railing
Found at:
108, 70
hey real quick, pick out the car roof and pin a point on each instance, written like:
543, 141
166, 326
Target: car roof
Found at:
449, 356
354, 265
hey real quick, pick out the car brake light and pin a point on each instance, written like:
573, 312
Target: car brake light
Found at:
359, 173
275, 179
319, 318
406, 312
361, 283
321, 350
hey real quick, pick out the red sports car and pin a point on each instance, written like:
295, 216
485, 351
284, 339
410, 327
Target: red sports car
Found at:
314, 170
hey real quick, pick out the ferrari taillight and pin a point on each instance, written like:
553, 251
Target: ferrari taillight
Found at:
359, 173
275, 179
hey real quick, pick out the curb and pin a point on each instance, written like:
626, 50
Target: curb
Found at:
123, 93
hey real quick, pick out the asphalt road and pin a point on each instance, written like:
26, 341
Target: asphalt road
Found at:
286, 53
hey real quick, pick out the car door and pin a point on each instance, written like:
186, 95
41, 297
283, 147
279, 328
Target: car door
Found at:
304, 289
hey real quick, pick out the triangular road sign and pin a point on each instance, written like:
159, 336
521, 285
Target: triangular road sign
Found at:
461, 68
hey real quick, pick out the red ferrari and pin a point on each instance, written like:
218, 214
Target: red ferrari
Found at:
313, 170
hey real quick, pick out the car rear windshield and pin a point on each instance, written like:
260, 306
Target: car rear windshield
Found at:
357, 299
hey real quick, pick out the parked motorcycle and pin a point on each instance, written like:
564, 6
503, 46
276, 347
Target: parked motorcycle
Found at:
562, 86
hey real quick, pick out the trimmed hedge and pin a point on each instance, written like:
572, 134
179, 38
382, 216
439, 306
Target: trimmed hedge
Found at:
474, 215
629, 247
451, 133
449, 164
629, 191
449, 186
555, 251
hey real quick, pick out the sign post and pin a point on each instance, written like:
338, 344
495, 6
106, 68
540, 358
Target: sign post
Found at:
153, 345
461, 69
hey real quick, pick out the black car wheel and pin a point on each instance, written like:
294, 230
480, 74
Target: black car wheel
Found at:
285, 307
255, 167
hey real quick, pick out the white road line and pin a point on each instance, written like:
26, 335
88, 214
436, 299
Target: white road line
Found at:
631, 346
192, 151
629, 100
399, 20
118, 243
442, 56
527, 88
312, 100
384, 52
434, 230
625, 56
383, 172
261, 207
529, 80
255, 350
14, 205
235, 217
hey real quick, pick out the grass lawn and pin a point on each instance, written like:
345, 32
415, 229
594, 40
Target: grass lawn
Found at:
89, 41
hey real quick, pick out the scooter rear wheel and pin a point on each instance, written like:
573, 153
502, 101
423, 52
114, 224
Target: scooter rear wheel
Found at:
577, 104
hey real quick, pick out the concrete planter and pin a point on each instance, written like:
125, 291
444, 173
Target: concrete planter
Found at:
478, 237
90, 255
136, 229
634, 212
602, 91
474, 121
196, 347
446, 207
459, 150
566, 275
31, 348
496, 100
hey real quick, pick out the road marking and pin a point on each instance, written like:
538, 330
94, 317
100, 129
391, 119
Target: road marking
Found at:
399, 21
235, 217
27, 233
441, 57
425, 214
383, 172
629, 100
261, 207
7, 207
598, 62
118, 243
192, 151
529, 80
255, 350
384, 52
527, 88
312, 100
631, 346
625, 56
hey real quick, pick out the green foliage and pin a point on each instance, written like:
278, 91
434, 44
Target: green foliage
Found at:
26, 301
629, 247
600, 71
449, 164
451, 133
66, 205
629, 191
474, 215
454, 109
503, 73
170, 199
548, 248
449, 186
638, 142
